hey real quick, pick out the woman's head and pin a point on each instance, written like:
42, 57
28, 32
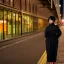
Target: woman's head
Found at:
51, 19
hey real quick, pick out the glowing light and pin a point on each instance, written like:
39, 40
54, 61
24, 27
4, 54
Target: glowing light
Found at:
59, 5
60, 14
1, 21
13, 14
62, 20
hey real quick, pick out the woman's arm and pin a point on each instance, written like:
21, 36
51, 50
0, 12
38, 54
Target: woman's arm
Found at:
46, 32
58, 32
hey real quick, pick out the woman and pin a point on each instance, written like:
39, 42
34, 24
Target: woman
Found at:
52, 33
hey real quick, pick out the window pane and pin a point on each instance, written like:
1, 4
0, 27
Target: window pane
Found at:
23, 24
20, 25
40, 24
31, 24
9, 25
17, 26
1, 24
35, 24
13, 22
27, 26
5, 24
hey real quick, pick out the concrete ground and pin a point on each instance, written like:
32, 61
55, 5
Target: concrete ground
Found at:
60, 58
27, 50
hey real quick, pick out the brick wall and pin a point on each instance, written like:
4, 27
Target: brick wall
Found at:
29, 6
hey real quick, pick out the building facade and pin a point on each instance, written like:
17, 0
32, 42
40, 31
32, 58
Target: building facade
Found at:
19, 17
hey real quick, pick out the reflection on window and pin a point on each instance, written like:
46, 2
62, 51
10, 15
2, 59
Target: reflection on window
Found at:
9, 25
17, 29
19, 25
31, 24
1, 24
35, 24
27, 24
23, 24
40, 24
13, 23
5, 24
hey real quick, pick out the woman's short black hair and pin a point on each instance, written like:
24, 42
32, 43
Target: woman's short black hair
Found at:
52, 18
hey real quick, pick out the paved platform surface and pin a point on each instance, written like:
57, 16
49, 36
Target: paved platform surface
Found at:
27, 50
60, 58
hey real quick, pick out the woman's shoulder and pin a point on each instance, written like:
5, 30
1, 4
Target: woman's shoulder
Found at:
47, 27
56, 26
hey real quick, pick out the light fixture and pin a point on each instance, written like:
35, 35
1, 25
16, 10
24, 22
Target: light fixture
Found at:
1, 21
60, 14
59, 5
62, 20
13, 14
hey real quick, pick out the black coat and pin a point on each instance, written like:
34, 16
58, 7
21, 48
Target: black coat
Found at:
52, 33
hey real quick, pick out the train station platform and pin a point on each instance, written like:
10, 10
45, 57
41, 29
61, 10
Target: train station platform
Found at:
22, 24
30, 50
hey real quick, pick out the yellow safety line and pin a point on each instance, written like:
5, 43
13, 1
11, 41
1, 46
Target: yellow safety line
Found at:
43, 58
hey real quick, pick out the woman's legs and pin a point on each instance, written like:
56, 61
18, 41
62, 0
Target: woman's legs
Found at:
51, 62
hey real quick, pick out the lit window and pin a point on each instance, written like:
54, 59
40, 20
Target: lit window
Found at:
59, 5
